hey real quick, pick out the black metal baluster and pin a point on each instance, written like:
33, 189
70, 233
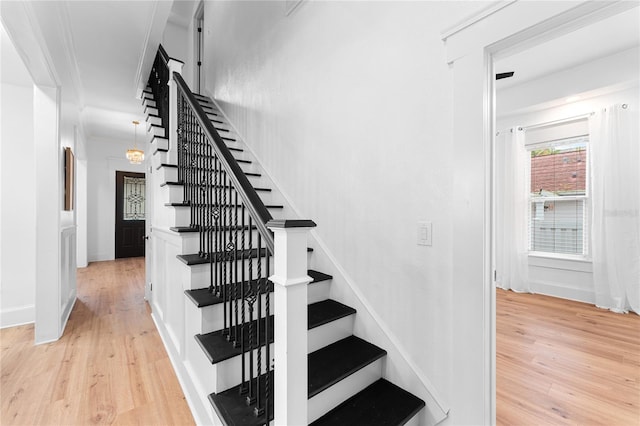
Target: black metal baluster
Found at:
218, 228
225, 283
267, 313
259, 410
238, 283
243, 289
250, 300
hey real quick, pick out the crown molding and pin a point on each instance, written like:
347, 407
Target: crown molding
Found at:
21, 24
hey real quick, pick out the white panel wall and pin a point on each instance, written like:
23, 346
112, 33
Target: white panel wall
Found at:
348, 105
17, 227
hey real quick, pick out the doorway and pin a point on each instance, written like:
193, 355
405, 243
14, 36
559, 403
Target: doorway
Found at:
130, 214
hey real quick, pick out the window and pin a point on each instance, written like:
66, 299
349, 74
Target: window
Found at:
134, 189
559, 197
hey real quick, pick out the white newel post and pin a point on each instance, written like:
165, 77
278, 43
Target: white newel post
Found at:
290, 281
174, 66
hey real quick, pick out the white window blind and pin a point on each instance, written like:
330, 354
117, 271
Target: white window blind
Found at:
558, 189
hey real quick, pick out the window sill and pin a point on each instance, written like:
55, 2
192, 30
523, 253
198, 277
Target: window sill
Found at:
567, 262
560, 256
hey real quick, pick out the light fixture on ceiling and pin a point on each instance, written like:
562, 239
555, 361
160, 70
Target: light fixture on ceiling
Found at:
135, 155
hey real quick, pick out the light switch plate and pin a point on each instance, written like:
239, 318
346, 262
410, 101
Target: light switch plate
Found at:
425, 230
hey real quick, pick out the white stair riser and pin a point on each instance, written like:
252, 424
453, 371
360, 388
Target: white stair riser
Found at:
159, 142
197, 276
331, 397
168, 174
172, 194
149, 110
220, 376
211, 318
329, 333
149, 102
178, 216
190, 242
229, 372
157, 158
155, 131
318, 292
153, 119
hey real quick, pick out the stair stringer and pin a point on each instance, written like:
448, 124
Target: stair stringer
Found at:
368, 324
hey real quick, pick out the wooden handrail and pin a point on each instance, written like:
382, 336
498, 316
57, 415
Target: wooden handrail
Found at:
252, 201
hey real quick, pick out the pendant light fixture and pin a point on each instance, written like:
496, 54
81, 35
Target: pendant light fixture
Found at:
135, 155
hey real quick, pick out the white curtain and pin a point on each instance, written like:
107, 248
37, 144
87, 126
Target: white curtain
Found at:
615, 208
512, 211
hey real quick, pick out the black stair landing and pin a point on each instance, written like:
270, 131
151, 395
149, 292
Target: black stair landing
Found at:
201, 297
380, 404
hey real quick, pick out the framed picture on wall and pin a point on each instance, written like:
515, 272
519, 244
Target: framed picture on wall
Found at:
69, 181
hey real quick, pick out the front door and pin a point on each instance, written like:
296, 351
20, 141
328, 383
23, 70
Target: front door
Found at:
130, 214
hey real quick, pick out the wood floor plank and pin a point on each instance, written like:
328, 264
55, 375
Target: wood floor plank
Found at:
109, 367
565, 362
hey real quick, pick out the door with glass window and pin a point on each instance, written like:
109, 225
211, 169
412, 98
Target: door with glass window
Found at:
130, 214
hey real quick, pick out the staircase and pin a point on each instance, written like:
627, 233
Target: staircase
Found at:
224, 262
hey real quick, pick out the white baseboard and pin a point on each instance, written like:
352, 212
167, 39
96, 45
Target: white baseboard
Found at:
198, 404
20, 315
554, 290
100, 257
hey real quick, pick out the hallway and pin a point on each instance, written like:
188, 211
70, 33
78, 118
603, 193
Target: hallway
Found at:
110, 367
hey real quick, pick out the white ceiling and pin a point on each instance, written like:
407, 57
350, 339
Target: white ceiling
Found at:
98, 50
604, 38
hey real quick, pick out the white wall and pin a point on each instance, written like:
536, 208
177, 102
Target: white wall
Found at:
104, 157
175, 40
569, 278
348, 105
17, 227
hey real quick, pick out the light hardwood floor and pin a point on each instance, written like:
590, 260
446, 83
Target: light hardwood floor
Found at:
565, 363
109, 367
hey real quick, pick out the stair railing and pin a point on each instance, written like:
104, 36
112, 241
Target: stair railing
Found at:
158, 80
231, 221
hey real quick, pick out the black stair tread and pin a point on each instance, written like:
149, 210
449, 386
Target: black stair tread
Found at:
201, 297
171, 166
160, 150
157, 137
196, 259
318, 276
381, 403
152, 115
232, 409
183, 229
217, 348
175, 183
325, 311
187, 204
338, 360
